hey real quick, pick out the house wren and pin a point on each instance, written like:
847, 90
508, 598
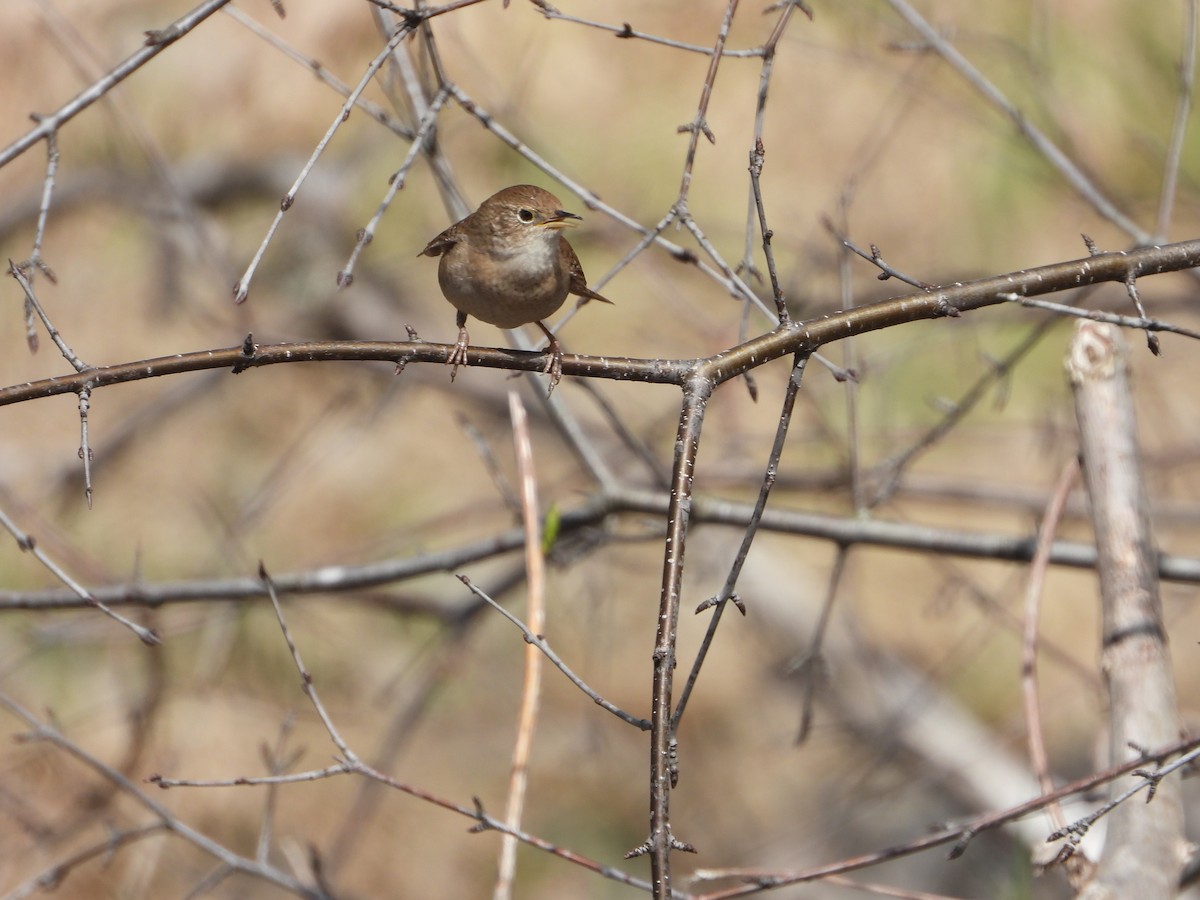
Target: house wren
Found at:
507, 264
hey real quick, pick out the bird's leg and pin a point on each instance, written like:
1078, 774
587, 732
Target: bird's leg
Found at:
554, 363
458, 356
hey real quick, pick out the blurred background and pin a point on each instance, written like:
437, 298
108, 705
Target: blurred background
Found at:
164, 192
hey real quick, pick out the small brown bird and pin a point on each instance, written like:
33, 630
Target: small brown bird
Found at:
507, 264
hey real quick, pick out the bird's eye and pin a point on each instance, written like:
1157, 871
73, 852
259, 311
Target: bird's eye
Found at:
525, 215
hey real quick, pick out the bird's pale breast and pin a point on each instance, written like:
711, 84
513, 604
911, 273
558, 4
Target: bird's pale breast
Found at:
505, 291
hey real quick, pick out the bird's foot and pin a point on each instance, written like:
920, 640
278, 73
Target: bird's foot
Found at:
553, 366
458, 356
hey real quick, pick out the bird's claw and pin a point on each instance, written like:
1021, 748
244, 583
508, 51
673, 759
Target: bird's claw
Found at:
553, 366
458, 356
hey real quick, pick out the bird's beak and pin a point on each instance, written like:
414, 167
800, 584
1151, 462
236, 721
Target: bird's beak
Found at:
560, 218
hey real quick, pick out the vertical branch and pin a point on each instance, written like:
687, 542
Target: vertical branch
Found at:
729, 589
757, 155
85, 446
699, 125
1142, 852
696, 392
760, 114
39, 236
695, 128
850, 364
1038, 757
812, 666
535, 569
36, 263
1183, 113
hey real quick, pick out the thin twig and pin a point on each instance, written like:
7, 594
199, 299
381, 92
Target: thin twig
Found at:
891, 470
322, 74
85, 446
536, 640
156, 43
277, 764
641, 450
346, 275
531, 686
1073, 174
858, 490
811, 666
699, 124
1038, 759
875, 257
628, 32
35, 263
29, 545
53, 877
1096, 315
242, 288
757, 155
32, 301
649, 236
960, 835
728, 592
42, 731
767, 51
306, 679
1183, 111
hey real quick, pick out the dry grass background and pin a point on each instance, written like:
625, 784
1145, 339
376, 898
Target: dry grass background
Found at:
201, 476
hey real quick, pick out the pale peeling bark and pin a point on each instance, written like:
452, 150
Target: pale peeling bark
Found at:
1142, 852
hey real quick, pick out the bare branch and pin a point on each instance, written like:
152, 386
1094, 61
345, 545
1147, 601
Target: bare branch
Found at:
1144, 841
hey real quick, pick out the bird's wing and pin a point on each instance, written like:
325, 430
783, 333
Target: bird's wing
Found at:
578, 280
441, 243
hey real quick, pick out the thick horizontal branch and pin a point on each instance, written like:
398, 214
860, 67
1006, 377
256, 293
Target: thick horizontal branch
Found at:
401, 353
784, 341
593, 514
849, 531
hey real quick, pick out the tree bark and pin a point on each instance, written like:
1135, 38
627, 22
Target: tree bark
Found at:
1143, 849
